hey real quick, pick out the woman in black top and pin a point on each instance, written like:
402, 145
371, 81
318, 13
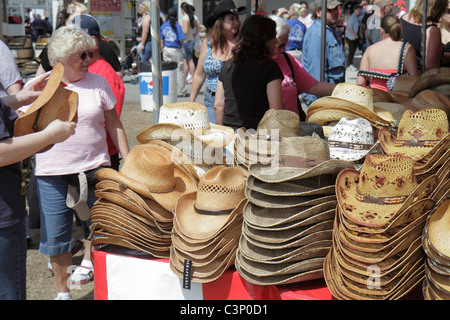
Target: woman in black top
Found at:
250, 82
412, 32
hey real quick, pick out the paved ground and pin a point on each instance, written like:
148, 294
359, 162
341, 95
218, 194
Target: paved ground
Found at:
40, 282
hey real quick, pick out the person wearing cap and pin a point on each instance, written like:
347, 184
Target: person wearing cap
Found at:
412, 32
250, 82
85, 152
13, 245
401, 8
334, 48
223, 26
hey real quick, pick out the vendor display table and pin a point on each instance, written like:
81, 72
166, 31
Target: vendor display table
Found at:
122, 274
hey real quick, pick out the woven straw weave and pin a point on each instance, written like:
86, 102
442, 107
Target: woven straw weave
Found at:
387, 176
426, 124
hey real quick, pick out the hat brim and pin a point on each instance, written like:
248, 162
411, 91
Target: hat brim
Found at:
275, 174
184, 184
197, 226
54, 102
387, 141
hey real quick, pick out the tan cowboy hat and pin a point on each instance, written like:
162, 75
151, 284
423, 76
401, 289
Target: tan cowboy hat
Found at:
54, 102
149, 171
300, 158
403, 83
349, 100
196, 150
219, 199
394, 108
193, 117
383, 188
419, 134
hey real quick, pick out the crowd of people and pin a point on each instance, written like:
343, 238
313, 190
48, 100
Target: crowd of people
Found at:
246, 66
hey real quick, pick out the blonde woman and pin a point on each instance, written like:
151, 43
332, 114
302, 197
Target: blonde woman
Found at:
146, 44
84, 152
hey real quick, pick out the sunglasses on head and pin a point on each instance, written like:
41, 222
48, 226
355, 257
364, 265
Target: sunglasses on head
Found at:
84, 55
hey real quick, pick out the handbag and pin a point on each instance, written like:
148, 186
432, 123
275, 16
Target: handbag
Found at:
301, 113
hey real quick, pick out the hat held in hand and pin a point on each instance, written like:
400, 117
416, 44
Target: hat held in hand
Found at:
55, 102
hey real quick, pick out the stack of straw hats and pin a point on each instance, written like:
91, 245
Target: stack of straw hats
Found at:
136, 204
207, 225
423, 136
377, 252
351, 101
289, 215
186, 126
436, 243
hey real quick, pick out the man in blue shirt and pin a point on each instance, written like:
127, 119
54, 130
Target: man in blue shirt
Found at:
297, 32
352, 35
334, 48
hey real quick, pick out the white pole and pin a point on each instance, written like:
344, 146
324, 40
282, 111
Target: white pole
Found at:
156, 59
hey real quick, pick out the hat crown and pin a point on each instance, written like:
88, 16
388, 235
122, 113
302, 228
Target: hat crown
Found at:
152, 166
190, 115
220, 188
286, 122
387, 176
357, 130
354, 93
426, 124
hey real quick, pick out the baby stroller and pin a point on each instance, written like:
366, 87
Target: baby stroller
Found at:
129, 64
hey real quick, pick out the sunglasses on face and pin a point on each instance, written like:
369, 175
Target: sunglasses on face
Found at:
332, 10
282, 46
84, 55
447, 11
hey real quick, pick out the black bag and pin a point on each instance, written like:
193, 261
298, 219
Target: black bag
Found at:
301, 113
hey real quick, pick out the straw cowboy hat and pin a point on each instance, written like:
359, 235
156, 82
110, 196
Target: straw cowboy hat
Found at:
196, 150
201, 218
419, 134
352, 140
149, 171
200, 224
55, 102
348, 100
193, 117
382, 190
299, 158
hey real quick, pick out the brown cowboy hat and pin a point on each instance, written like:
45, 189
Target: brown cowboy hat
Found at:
54, 102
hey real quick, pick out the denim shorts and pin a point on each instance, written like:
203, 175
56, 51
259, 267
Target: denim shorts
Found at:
56, 217
209, 104
188, 50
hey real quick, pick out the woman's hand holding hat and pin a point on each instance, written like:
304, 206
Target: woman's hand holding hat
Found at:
58, 130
